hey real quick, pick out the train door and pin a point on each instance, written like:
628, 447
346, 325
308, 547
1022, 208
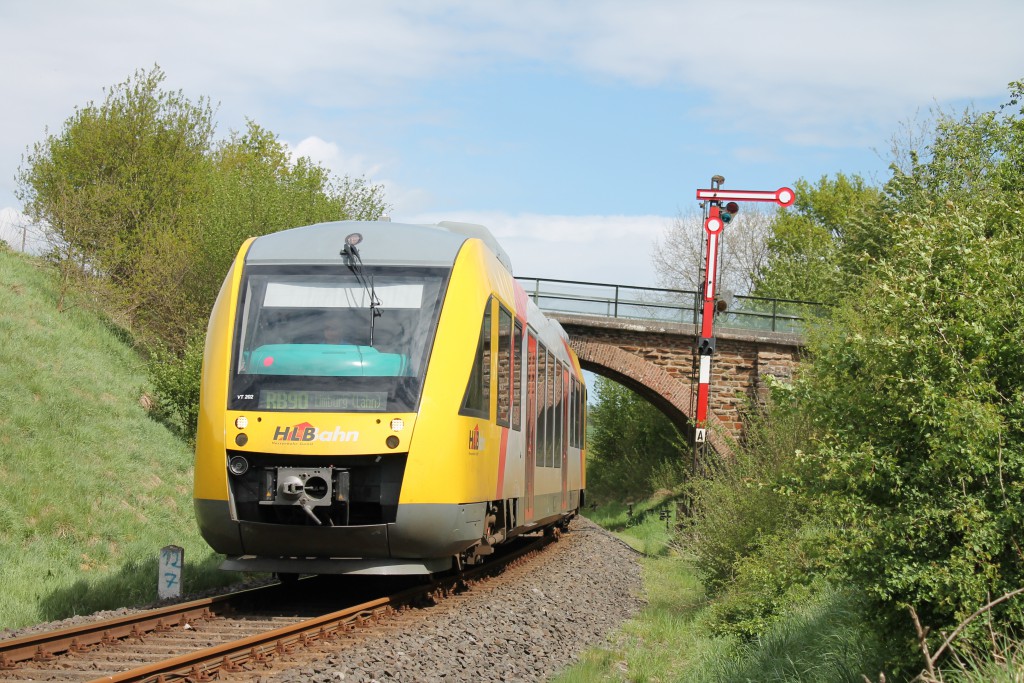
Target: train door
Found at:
531, 421
563, 425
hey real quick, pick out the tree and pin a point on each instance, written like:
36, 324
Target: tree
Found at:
633, 448
811, 253
143, 207
918, 390
122, 189
257, 189
679, 259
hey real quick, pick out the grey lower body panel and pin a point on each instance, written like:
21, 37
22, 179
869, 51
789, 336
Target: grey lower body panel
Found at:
289, 540
217, 527
422, 539
313, 565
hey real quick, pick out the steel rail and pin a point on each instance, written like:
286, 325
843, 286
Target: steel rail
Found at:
44, 646
205, 664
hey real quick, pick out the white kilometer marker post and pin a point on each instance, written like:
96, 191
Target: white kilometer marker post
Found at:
714, 224
172, 566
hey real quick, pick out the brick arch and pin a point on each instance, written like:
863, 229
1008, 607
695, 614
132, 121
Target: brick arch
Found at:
664, 391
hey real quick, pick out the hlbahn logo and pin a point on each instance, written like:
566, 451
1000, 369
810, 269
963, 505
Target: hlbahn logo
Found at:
476, 441
306, 432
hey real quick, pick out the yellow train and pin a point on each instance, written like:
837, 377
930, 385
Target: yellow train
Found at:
382, 398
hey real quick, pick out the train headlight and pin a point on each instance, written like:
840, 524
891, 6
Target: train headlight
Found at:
238, 465
397, 424
392, 441
241, 422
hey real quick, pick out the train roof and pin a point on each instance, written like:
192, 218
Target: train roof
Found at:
382, 243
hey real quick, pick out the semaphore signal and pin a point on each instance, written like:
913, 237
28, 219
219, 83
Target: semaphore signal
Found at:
716, 217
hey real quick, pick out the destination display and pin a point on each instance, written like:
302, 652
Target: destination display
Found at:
273, 399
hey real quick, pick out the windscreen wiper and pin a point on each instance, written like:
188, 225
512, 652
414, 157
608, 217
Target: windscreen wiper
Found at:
355, 264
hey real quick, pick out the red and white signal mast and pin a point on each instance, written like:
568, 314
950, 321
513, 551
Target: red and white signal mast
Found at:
716, 215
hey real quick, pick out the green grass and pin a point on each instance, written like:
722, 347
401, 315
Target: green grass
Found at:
645, 529
90, 487
671, 640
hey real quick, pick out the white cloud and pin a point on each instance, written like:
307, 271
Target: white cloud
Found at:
813, 71
331, 156
610, 249
790, 60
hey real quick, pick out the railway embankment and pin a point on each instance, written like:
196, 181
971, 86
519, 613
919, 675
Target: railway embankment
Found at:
92, 486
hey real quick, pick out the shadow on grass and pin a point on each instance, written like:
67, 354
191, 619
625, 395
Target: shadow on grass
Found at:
134, 585
618, 517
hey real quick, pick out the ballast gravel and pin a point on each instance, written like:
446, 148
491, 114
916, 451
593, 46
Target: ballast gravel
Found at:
527, 624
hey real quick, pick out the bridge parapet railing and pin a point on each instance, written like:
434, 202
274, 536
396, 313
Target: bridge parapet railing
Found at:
667, 305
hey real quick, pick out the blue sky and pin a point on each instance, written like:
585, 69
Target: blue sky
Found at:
575, 129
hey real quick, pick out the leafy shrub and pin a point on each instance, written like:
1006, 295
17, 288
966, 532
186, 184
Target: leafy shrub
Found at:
783, 571
920, 389
175, 380
631, 444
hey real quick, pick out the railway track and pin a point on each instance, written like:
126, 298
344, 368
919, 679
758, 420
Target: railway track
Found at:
225, 635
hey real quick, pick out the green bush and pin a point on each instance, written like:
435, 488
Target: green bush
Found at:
633, 449
784, 570
920, 389
176, 379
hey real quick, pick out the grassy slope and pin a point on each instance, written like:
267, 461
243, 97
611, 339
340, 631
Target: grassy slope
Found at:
90, 487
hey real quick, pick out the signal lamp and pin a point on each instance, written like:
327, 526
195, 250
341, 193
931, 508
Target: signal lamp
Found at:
729, 210
392, 441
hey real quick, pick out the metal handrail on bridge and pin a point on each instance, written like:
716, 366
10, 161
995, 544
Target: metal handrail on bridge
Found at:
667, 305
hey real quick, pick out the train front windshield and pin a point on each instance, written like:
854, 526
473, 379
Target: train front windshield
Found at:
322, 339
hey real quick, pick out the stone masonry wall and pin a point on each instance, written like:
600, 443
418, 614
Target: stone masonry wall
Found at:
740, 364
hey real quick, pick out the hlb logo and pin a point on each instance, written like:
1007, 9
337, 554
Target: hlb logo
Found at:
307, 433
476, 442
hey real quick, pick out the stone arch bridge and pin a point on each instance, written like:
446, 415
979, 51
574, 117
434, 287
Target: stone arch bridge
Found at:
644, 339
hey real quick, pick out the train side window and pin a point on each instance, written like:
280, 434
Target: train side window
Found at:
542, 405
477, 400
572, 412
577, 411
504, 366
583, 416
517, 377
531, 398
560, 412
553, 377
581, 410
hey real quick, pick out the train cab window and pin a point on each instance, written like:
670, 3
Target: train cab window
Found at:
517, 377
505, 366
318, 338
477, 400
